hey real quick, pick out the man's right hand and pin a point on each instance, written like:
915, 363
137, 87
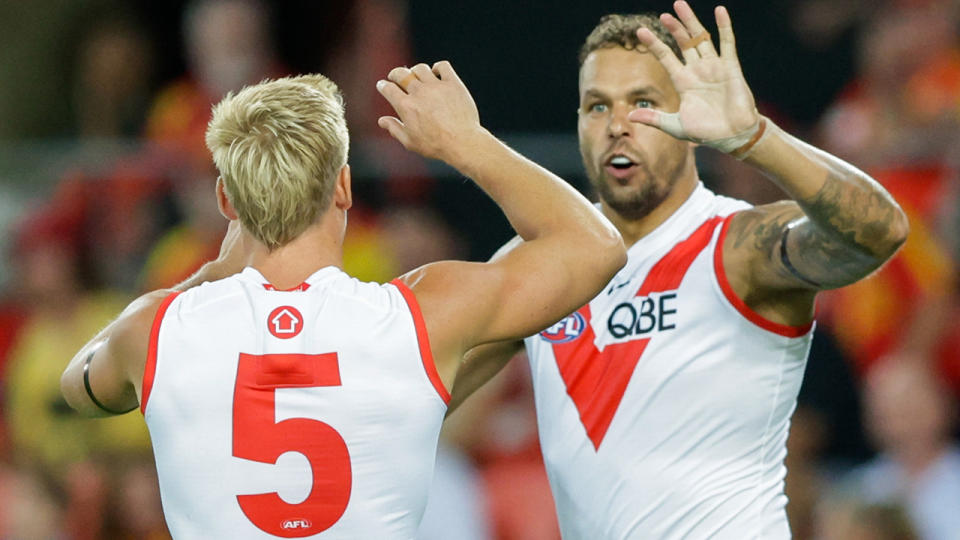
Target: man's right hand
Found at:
436, 115
569, 250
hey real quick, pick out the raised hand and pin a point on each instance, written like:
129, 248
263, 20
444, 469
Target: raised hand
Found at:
436, 115
716, 105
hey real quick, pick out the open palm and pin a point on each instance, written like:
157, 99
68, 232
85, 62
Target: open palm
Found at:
715, 102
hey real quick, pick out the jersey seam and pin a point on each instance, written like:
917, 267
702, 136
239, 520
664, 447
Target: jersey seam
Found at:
764, 441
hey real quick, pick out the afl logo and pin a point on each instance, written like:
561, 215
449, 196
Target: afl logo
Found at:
289, 524
285, 322
566, 330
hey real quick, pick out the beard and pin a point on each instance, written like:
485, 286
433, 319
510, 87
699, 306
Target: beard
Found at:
633, 203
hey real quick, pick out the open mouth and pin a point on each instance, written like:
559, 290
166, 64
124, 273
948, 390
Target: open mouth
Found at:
620, 166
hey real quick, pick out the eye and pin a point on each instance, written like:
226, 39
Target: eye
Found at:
597, 108
643, 103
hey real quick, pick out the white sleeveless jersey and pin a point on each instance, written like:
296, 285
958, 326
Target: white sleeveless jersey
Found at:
664, 404
311, 413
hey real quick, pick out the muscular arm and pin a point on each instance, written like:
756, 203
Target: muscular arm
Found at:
841, 226
569, 250
104, 377
479, 365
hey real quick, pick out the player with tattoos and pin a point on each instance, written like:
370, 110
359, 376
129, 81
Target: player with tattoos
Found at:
664, 403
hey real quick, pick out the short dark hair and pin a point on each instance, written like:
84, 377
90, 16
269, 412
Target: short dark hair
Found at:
616, 30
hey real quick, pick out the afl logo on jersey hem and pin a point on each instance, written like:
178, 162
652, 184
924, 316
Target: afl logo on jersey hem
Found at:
300, 523
285, 322
566, 330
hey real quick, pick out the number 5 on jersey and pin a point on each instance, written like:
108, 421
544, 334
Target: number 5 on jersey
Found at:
258, 437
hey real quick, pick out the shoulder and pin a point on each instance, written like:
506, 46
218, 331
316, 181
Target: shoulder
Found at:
132, 334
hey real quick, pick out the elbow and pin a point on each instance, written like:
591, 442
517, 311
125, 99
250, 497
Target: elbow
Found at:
897, 233
901, 228
613, 254
66, 387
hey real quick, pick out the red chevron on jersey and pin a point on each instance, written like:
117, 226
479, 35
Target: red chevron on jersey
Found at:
596, 380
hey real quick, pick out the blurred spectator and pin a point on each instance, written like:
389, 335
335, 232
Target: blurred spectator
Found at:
125, 212
112, 83
902, 104
416, 235
28, 510
194, 239
900, 119
38, 41
134, 511
910, 416
228, 45
47, 437
62, 317
13, 316
843, 517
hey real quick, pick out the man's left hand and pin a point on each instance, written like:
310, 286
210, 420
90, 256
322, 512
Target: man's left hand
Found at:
716, 106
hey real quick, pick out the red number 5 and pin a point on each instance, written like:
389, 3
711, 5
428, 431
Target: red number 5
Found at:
258, 437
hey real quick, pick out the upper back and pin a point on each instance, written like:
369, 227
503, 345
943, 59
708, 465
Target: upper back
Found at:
306, 411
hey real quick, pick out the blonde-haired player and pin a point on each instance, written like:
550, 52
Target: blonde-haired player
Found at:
289, 399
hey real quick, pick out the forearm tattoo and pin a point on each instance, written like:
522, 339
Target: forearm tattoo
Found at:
835, 238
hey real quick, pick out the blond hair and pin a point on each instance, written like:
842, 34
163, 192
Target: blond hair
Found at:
279, 146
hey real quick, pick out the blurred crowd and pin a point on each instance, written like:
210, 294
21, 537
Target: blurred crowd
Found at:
873, 452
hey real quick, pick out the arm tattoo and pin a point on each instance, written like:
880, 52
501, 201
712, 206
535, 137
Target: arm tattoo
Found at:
857, 216
785, 259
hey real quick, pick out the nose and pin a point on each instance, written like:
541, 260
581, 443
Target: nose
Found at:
619, 126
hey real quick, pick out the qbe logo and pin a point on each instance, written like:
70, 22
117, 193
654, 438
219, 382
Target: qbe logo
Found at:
293, 524
566, 330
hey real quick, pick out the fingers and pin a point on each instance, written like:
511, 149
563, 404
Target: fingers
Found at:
392, 92
423, 72
445, 71
395, 127
698, 37
728, 45
644, 116
679, 33
668, 122
404, 77
660, 49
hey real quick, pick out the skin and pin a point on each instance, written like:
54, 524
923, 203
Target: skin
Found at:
567, 245
842, 224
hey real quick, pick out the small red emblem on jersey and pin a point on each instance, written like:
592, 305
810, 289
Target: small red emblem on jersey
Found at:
285, 322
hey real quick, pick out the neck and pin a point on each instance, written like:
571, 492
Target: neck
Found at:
288, 266
633, 230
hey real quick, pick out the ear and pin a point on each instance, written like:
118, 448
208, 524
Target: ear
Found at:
342, 194
223, 202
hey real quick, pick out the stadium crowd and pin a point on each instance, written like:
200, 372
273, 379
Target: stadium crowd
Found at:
873, 450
